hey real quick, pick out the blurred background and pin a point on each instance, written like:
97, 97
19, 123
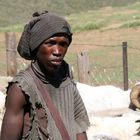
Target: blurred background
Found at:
99, 27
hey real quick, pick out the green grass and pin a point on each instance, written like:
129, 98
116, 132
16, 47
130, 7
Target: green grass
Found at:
99, 19
133, 24
14, 28
103, 65
106, 64
122, 17
16, 12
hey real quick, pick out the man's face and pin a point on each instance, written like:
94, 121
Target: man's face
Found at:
52, 51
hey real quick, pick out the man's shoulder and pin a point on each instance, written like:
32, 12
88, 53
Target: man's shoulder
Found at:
22, 75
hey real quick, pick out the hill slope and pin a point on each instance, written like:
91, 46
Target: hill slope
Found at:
13, 11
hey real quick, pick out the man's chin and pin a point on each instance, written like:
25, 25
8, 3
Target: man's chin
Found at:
53, 68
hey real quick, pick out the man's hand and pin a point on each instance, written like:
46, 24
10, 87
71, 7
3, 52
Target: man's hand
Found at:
82, 136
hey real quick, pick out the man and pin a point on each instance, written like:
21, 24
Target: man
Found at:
44, 41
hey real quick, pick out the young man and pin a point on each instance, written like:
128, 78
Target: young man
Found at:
44, 41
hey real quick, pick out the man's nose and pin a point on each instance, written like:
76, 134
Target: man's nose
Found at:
57, 50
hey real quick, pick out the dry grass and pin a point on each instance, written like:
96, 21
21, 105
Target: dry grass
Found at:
104, 47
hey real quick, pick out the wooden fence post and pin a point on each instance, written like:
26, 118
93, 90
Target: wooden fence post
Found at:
125, 66
11, 53
83, 68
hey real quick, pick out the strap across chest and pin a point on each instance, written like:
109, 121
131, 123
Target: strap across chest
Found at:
54, 112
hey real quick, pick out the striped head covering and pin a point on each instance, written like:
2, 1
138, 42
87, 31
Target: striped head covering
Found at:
41, 27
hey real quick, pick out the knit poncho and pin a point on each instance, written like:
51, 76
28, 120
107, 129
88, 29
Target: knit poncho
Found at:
68, 102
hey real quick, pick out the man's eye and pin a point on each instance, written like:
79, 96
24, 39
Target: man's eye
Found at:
64, 44
50, 43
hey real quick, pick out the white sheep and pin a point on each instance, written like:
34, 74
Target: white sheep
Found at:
107, 107
101, 98
2, 106
109, 113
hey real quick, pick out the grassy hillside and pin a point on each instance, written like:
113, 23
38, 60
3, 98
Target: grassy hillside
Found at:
104, 18
17, 12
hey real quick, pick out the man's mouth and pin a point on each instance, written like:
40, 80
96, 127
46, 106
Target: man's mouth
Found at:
56, 61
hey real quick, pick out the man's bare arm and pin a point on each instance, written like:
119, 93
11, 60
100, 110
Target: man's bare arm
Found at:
13, 118
82, 136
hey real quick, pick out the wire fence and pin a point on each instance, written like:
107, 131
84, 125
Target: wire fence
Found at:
106, 66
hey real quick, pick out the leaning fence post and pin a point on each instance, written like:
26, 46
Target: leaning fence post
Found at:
11, 53
83, 68
125, 66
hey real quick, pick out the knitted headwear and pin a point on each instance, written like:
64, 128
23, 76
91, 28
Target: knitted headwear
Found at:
38, 30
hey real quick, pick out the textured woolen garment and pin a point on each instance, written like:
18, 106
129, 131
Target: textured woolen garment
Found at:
67, 100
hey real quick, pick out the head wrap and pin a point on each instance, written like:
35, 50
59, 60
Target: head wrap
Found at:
39, 29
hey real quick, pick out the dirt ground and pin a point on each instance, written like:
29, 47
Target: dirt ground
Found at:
97, 38
89, 40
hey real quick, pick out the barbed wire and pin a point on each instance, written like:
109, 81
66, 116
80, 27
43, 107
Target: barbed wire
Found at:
100, 74
102, 45
109, 67
134, 48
